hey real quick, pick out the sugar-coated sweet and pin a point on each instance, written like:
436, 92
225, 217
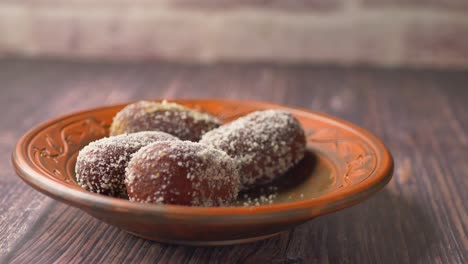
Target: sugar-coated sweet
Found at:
172, 118
100, 166
182, 173
265, 144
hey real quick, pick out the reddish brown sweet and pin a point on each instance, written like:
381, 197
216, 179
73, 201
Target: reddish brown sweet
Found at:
171, 118
182, 173
265, 144
100, 166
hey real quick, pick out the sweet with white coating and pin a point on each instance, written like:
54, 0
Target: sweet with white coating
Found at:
100, 166
264, 144
182, 173
172, 118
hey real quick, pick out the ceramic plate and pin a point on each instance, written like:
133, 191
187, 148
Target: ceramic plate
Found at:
343, 166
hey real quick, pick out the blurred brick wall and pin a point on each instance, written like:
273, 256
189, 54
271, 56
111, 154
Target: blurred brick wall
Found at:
429, 33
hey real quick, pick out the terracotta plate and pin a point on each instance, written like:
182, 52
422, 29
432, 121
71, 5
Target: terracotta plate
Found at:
344, 165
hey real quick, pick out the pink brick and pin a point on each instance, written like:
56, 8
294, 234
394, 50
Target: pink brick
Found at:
434, 4
436, 43
194, 36
54, 34
320, 5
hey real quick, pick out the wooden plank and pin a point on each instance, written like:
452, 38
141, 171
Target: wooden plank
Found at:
422, 116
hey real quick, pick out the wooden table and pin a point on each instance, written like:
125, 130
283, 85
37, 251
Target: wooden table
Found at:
420, 217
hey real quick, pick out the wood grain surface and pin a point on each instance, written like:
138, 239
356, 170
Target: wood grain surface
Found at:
422, 116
